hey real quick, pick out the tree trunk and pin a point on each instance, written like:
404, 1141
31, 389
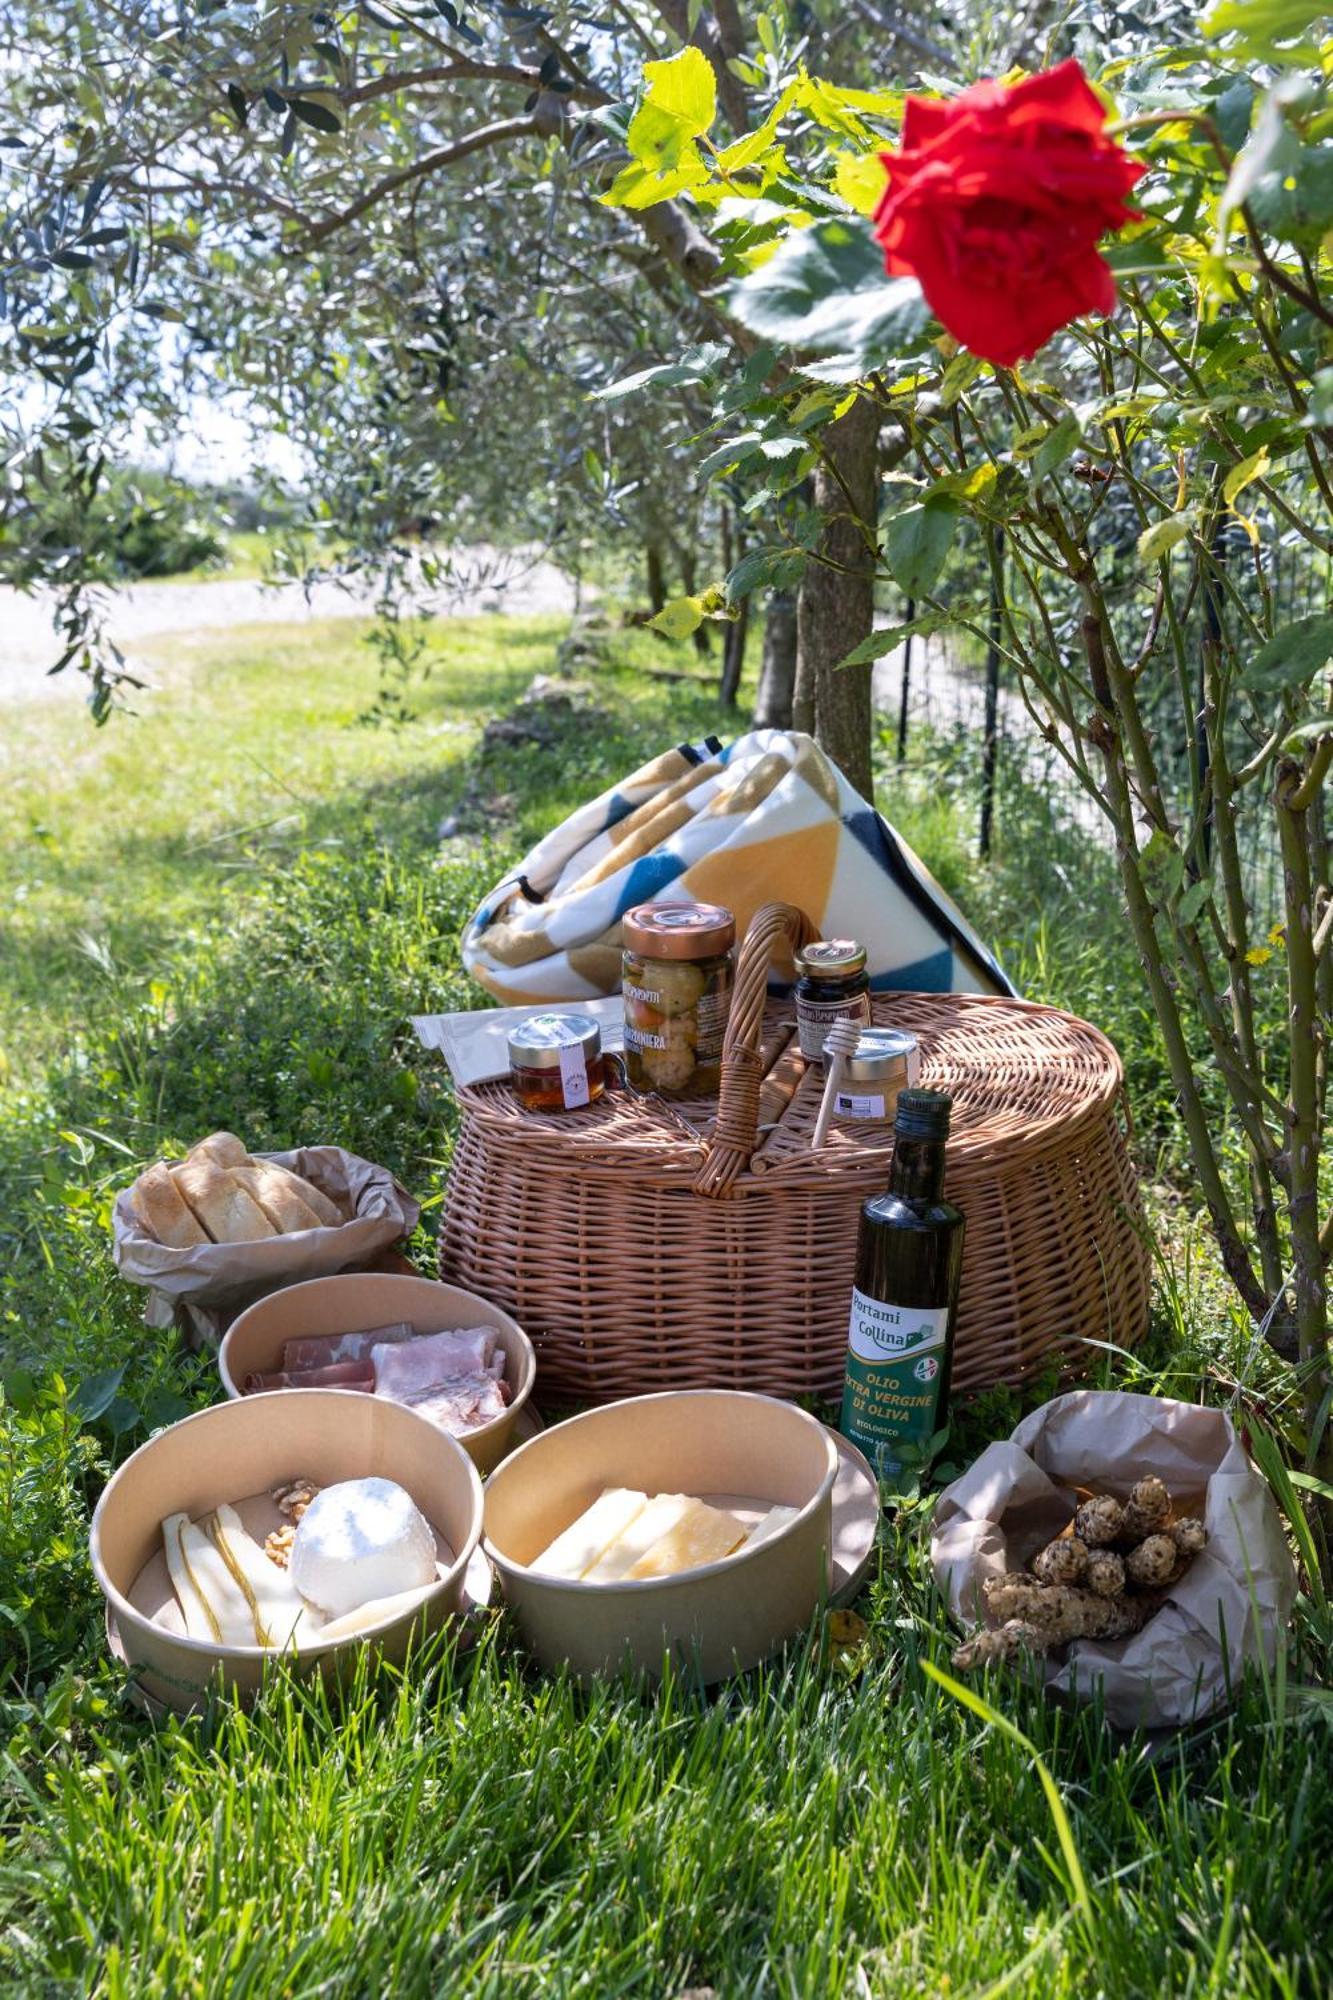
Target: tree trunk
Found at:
777, 672
733, 655
656, 577
836, 607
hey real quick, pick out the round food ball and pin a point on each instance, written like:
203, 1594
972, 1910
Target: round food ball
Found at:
360, 1539
1188, 1534
678, 985
1062, 1561
1152, 1563
1105, 1575
1098, 1521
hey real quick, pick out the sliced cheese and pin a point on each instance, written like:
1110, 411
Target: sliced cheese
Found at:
231, 1609
376, 1611
658, 1518
772, 1523
703, 1534
199, 1620
586, 1540
282, 1616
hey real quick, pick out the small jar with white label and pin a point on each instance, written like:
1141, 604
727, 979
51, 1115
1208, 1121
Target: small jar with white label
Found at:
887, 1060
556, 1062
832, 985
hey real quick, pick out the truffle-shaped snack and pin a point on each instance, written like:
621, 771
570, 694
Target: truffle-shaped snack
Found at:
1145, 1514
1153, 1563
1098, 1522
1064, 1560
1004, 1643
1189, 1534
1105, 1574
1062, 1611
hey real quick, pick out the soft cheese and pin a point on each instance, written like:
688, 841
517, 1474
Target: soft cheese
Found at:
586, 1540
702, 1534
360, 1539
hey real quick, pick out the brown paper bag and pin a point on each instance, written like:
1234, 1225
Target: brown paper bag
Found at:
202, 1289
1230, 1608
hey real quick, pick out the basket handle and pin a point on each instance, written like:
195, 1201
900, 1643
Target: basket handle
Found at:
736, 1133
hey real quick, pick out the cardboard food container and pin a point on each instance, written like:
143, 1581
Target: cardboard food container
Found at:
238, 1452
353, 1304
733, 1449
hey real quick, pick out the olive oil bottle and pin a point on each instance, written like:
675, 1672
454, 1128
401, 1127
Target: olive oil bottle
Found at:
909, 1255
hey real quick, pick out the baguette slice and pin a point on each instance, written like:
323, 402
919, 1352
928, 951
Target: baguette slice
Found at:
224, 1149
227, 1211
279, 1201
325, 1211
161, 1208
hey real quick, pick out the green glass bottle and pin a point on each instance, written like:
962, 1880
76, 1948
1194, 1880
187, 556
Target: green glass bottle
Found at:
909, 1256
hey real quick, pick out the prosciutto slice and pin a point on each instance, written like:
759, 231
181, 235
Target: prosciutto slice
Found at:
323, 1350
338, 1375
455, 1378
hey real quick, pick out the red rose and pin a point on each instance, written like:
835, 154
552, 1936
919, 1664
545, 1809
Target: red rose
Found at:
995, 204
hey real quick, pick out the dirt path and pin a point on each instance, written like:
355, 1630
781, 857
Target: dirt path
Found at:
521, 586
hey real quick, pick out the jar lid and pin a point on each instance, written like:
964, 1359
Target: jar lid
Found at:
678, 930
881, 1054
537, 1042
831, 958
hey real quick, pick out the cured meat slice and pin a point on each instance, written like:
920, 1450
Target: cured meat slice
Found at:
337, 1375
321, 1350
454, 1378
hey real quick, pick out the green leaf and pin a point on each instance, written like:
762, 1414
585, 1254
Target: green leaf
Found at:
315, 112
695, 366
1159, 540
959, 376
916, 543
1195, 899
825, 291
96, 1395
1292, 657
890, 637
1264, 21
1309, 732
1060, 442
772, 568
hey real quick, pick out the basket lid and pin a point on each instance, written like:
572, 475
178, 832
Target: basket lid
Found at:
678, 930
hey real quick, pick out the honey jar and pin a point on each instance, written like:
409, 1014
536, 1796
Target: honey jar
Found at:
556, 1062
677, 971
887, 1060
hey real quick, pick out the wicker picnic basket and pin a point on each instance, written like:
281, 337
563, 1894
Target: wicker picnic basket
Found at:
647, 1245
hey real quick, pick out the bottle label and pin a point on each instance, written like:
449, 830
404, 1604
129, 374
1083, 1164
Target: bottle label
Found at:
850, 1104
895, 1377
573, 1078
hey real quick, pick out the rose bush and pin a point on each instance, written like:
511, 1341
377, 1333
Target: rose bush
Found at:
996, 202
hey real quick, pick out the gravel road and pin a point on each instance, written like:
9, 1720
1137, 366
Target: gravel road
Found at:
147, 611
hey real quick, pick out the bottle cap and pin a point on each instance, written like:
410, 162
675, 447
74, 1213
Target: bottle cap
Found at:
922, 1114
678, 930
831, 958
537, 1043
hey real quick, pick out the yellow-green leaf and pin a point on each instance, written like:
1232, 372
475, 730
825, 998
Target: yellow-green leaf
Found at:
859, 178
1243, 475
1159, 540
679, 104
679, 617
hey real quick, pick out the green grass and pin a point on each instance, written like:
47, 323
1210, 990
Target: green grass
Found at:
249, 555
260, 875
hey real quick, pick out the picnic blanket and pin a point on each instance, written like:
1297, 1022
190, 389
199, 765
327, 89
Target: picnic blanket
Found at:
768, 818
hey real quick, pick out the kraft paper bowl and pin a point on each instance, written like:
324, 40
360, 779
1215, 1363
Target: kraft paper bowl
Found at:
723, 1446
353, 1303
237, 1452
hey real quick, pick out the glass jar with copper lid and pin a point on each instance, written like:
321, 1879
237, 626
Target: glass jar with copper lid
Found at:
832, 985
677, 970
556, 1062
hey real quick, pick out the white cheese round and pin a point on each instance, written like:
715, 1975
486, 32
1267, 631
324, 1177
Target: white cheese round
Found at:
360, 1539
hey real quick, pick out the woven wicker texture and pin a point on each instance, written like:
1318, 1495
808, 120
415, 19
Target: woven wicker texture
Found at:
640, 1251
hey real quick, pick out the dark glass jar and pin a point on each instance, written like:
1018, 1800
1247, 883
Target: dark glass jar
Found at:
556, 1062
832, 985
